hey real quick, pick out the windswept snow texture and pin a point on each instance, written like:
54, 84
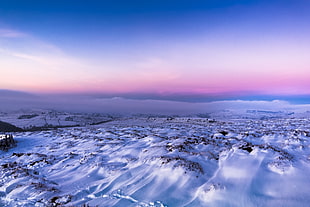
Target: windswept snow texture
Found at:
161, 162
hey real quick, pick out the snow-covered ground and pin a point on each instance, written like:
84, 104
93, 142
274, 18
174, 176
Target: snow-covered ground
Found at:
28, 119
151, 161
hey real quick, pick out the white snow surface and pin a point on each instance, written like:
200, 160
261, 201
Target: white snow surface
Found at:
173, 162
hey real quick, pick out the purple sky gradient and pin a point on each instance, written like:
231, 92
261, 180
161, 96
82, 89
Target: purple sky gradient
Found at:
158, 47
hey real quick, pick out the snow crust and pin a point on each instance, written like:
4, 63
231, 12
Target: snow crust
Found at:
153, 161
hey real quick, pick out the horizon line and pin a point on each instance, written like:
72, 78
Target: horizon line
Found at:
180, 97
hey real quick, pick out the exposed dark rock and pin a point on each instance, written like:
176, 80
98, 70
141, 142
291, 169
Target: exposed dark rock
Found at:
183, 162
6, 141
223, 133
247, 147
27, 116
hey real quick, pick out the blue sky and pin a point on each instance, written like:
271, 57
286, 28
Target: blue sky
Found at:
165, 48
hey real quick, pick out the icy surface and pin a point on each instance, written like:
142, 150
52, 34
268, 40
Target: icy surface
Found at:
161, 162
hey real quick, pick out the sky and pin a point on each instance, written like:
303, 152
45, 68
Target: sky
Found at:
161, 49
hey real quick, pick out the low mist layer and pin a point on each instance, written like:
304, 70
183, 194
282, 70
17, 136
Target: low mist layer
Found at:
118, 105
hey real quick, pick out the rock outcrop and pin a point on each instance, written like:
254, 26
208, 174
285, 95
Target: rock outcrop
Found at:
6, 141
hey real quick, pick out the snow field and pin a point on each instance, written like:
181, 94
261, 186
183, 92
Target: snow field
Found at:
161, 162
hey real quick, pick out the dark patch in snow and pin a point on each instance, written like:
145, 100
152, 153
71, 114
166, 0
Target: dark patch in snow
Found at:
183, 162
7, 127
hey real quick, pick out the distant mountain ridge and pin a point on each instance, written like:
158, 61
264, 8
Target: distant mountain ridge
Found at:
4, 93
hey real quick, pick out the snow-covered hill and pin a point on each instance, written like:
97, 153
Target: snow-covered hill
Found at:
32, 119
